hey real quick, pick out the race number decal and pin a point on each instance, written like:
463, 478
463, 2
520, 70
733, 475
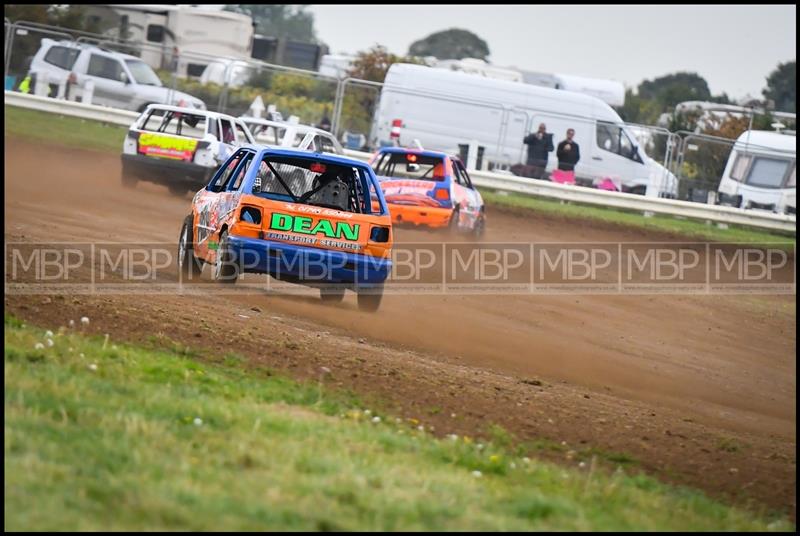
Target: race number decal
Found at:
151, 144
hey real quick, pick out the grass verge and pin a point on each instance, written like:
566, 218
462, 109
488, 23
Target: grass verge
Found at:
57, 129
635, 220
100, 436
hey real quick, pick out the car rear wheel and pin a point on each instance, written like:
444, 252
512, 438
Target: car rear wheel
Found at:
225, 267
188, 264
369, 298
177, 190
331, 295
128, 180
480, 226
452, 227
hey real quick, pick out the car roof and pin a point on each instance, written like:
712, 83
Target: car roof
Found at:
324, 157
411, 150
90, 46
299, 127
194, 111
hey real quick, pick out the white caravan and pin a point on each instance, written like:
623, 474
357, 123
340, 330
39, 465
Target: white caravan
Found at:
197, 34
443, 109
760, 173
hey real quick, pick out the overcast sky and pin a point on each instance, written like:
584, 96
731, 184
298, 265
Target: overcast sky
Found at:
733, 47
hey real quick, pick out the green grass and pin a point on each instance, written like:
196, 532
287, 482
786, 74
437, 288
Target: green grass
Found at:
73, 132
665, 224
103, 436
63, 130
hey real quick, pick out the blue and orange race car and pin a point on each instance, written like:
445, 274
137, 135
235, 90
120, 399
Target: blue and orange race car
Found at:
315, 219
429, 188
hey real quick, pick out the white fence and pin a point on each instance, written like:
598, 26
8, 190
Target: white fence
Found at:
496, 181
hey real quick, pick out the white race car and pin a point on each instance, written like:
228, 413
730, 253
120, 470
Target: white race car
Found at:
179, 147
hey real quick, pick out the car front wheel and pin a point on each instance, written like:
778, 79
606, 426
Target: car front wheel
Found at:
188, 264
225, 268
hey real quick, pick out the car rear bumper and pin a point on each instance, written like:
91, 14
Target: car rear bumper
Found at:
306, 264
420, 215
165, 171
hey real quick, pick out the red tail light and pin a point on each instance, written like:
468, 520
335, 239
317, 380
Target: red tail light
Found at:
442, 194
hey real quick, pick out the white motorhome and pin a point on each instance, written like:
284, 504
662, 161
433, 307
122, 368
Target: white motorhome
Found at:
761, 173
481, 68
443, 109
190, 36
609, 91
336, 65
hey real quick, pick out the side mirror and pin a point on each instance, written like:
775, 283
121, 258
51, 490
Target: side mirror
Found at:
607, 145
123, 78
412, 168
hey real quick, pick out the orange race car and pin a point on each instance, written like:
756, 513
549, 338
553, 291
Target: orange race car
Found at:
429, 188
309, 218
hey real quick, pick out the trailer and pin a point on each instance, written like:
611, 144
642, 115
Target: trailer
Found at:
761, 173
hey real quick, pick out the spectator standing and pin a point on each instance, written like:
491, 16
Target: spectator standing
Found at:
568, 152
325, 124
539, 144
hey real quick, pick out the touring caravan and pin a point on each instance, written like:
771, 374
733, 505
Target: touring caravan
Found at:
761, 173
444, 109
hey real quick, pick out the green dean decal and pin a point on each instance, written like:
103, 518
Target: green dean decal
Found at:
304, 225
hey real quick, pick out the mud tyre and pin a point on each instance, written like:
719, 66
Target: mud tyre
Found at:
188, 265
226, 270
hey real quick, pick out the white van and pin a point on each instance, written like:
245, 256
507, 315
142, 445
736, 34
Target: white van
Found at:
443, 109
760, 173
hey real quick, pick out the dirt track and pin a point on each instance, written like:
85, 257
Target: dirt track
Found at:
671, 380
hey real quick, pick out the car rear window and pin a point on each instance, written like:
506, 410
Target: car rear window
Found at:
313, 182
63, 57
270, 135
411, 166
184, 124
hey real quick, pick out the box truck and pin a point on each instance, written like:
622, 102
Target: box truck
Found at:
761, 173
444, 109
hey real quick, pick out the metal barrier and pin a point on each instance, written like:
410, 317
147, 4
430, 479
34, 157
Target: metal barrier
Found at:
339, 103
497, 181
700, 171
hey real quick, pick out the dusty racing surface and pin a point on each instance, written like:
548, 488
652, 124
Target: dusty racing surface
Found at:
698, 389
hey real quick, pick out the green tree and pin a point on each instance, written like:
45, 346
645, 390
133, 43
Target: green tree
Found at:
639, 110
280, 20
782, 87
67, 17
373, 64
672, 89
452, 44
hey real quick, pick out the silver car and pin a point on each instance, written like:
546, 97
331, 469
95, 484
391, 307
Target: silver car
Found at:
120, 80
